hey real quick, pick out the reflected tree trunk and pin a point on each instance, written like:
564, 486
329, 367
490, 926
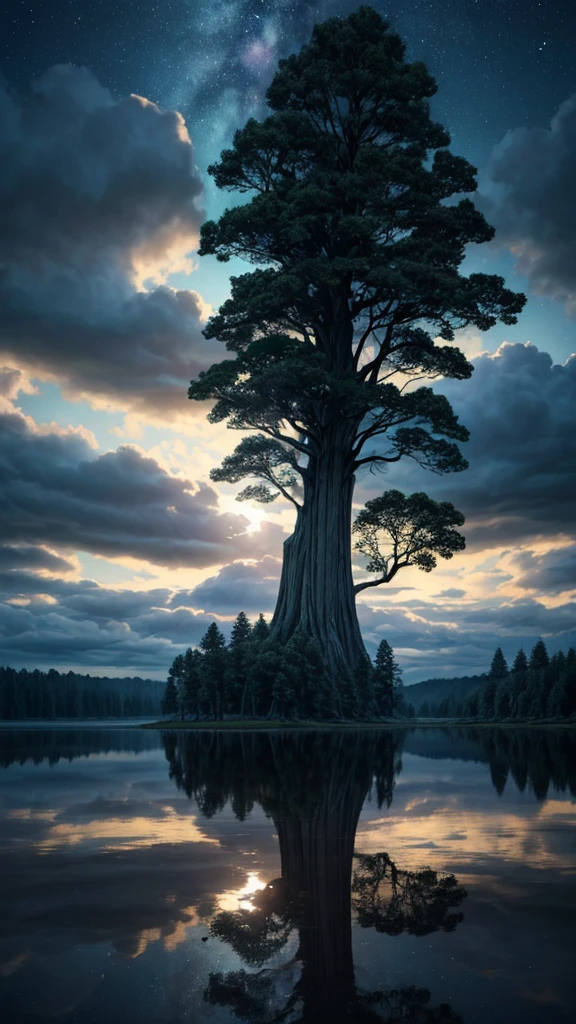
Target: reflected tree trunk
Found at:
316, 858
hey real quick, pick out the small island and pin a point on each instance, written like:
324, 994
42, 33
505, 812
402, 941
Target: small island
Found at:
239, 685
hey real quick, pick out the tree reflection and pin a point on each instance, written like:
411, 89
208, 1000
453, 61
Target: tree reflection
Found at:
296, 932
395, 901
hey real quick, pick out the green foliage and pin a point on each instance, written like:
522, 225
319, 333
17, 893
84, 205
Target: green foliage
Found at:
545, 688
538, 657
498, 668
170, 698
366, 703
520, 664
263, 457
190, 685
388, 689
415, 528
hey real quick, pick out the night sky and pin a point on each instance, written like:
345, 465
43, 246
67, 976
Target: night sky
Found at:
117, 549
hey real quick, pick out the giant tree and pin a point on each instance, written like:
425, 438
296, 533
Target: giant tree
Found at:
356, 236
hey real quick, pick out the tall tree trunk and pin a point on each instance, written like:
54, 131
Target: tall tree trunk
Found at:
316, 588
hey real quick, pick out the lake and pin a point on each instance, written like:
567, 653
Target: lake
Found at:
422, 875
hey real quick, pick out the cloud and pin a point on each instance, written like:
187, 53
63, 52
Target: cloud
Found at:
529, 198
14, 557
521, 483
553, 572
81, 624
58, 492
251, 587
50, 620
100, 201
527, 618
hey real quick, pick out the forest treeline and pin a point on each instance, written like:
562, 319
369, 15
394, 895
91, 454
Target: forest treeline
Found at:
255, 676
535, 687
53, 694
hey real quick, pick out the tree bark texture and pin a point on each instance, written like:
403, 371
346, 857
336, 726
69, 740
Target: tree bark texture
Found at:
316, 591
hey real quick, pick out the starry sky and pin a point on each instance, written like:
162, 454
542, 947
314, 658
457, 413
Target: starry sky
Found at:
116, 549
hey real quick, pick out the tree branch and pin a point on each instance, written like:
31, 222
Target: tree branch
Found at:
383, 579
376, 458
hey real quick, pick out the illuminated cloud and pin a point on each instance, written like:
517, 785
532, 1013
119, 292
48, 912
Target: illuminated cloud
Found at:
251, 587
57, 491
100, 201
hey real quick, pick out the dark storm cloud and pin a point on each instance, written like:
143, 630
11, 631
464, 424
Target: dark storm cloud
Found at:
12, 557
55, 491
55, 621
96, 196
521, 483
526, 617
521, 413
253, 588
529, 198
554, 571
460, 640
57, 639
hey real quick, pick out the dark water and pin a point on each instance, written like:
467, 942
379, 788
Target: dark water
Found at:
425, 876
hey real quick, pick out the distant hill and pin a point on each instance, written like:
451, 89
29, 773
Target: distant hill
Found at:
435, 690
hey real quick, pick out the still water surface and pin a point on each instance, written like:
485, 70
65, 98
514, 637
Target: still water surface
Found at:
420, 876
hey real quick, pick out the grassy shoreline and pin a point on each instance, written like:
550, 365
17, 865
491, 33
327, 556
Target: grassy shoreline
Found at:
259, 725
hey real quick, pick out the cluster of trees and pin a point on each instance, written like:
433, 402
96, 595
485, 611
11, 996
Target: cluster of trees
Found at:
53, 694
257, 676
533, 688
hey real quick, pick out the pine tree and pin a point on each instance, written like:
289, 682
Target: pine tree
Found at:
520, 663
171, 704
388, 689
498, 668
539, 656
518, 683
261, 629
502, 705
214, 670
259, 685
240, 662
190, 685
538, 689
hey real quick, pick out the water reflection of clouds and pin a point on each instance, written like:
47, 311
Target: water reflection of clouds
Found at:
128, 833
110, 856
449, 809
515, 855
111, 859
